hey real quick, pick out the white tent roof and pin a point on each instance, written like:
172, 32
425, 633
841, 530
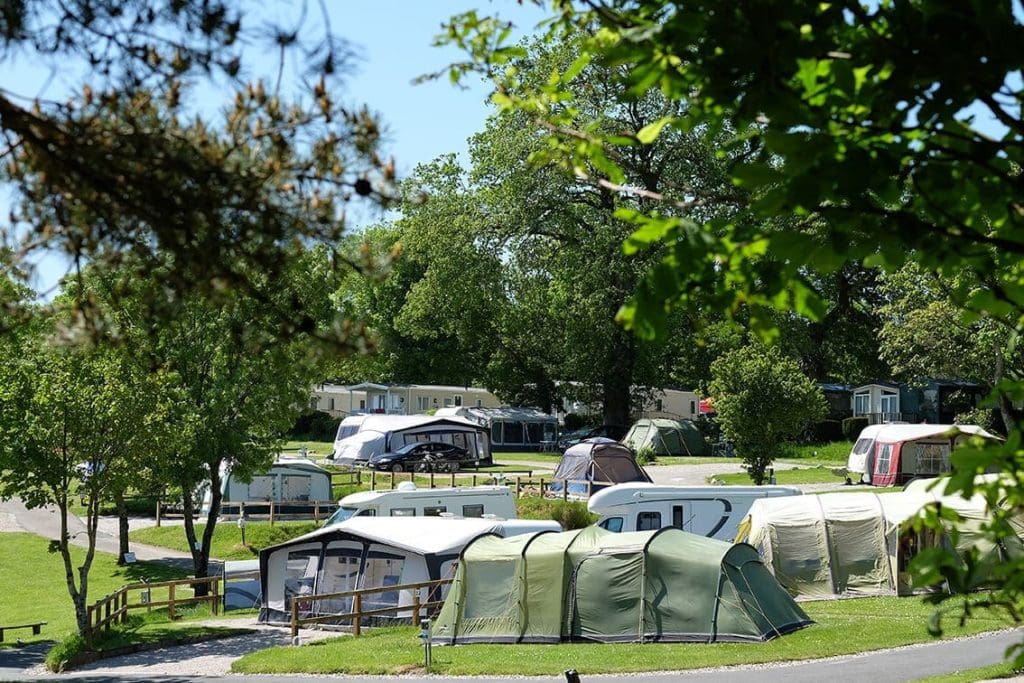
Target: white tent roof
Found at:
915, 432
422, 535
394, 423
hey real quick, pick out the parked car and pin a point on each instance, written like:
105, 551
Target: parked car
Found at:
430, 456
613, 432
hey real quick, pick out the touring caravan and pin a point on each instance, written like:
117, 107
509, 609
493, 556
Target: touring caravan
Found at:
409, 501
712, 511
384, 433
349, 426
289, 480
893, 454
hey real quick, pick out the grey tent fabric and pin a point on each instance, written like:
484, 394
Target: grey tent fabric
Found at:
593, 464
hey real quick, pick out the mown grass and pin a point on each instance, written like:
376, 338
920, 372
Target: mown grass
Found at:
827, 455
227, 537
34, 587
801, 475
843, 627
314, 449
983, 673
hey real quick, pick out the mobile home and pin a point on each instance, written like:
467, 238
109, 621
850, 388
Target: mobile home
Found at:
712, 511
409, 501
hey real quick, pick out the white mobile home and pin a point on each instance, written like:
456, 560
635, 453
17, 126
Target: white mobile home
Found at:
290, 480
385, 433
409, 501
368, 552
712, 511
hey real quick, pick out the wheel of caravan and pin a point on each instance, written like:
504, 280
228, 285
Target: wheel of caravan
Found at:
397, 467
454, 467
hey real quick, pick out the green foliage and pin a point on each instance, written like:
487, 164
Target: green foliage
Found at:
315, 425
853, 426
573, 422
761, 400
570, 514
646, 456
833, 454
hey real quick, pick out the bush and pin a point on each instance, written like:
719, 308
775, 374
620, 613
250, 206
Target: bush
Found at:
315, 425
852, 427
645, 456
708, 428
573, 422
986, 418
572, 514
825, 431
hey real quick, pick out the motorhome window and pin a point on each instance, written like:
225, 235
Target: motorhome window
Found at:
535, 430
645, 521
368, 512
612, 524
343, 513
883, 459
434, 511
496, 433
514, 432
677, 516
862, 446
403, 512
472, 510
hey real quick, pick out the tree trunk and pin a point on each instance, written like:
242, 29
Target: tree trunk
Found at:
122, 527
201, 554
616, 388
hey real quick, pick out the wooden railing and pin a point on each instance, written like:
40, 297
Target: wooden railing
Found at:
357, 614
113, 609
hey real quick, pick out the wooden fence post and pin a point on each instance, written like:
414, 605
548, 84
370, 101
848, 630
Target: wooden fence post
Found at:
158, 512
295, 618
519, 485
392, 479
416, 607
316, 512
215, 603
542, 487
357, 609
241, 509
124, 607
453, 478
106, 614
565, 489
373, 480
271, 512
170, 601
431, 478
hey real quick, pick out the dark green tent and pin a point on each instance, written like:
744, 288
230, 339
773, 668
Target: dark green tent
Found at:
666, 437
592, 584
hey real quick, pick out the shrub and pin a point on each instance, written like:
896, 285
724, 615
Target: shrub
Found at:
64, 651
825, 431
572, 514
986, 418
573, 422
852, 427
315, 425
645, 456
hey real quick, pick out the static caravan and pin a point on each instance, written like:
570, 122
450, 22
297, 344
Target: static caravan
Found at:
888, 455
409, 501
289, 480
385, 433
712, 511
370, 552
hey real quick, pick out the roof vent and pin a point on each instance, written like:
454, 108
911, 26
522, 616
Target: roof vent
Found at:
406, 486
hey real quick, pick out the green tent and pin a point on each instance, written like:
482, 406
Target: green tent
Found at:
592, 584
666, 437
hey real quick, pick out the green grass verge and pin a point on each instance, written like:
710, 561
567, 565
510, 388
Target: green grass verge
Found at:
984, 673
828, 455
801, 475
314, 449
844, 627
34, 587
145, 629
691, 460
227, 537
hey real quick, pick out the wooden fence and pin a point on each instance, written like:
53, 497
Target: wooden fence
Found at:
113, 609
357, 614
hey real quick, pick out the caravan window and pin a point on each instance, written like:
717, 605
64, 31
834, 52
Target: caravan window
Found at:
434, 511
345, 431
472, 510
645, 521
612, 524
862, 446
677, 516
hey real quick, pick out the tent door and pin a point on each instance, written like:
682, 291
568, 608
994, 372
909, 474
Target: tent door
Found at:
607, 598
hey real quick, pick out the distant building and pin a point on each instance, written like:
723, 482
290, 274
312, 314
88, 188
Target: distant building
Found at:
935, 401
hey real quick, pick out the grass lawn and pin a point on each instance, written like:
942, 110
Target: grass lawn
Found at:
34, 588
802, 475
691, 460
844, 627
984, 673
828, 455
227, 537
315, 449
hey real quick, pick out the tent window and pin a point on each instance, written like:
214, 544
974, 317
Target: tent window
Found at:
403, 512
612, 524
645, 521
460, 439
339, 572
382, 569
472, 510
296, 487
514, 432
677, 516
535, 430
434, 511
549, 431
299, 574
883, 459
496, 433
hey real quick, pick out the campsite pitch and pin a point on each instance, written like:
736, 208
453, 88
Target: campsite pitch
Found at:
843, 627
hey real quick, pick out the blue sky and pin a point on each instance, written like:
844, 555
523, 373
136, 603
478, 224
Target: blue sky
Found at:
393, 41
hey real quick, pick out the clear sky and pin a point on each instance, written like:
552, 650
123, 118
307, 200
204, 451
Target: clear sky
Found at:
393, 42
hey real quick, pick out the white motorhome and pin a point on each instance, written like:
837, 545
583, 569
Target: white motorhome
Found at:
712, 511
409, 501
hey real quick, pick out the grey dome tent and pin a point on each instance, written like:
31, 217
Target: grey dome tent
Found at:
595, 585
594, 464
666, 437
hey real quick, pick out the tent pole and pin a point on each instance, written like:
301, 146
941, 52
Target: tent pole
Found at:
828, 547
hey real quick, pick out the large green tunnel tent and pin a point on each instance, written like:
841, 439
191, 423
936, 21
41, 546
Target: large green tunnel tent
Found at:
592, 584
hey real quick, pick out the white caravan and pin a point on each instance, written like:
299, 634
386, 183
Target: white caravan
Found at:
409, 501
712, 511
349, 426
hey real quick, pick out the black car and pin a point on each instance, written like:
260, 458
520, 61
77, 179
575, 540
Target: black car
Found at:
423, 456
